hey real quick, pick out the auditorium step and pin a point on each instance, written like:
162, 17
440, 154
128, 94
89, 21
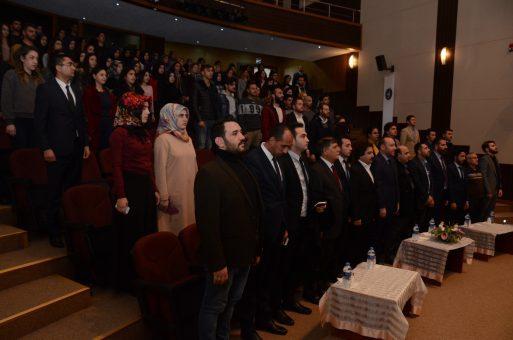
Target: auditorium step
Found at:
7, 216
12, 238
34, 262
109, 315
35, 304
504, 206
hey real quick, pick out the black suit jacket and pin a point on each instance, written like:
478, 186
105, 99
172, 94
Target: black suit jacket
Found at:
273, 195
317, 130
57, 125
228, 220
345, 180
423, 182
407, 204
385, 177
364, 197
333, 220
439, 177
291, 119
457, 190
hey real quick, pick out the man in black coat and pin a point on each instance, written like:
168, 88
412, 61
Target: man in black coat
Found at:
423, 181
61, 128
407, 206
440, 178
385, 176
228, 208
321, 126
333, 222
205, 106
457, 192
263, 164
296, 116
364, 204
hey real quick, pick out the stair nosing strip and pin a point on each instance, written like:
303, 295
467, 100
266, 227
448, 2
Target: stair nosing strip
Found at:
13, 233
28, 264
117, 329
42, 305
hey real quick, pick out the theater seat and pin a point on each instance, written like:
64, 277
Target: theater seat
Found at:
203, 156
190, 240
29, 187
90, 237
169, 294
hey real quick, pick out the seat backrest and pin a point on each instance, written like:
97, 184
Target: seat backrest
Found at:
29, 164
88, 204
90, 169
106, 162
203, 156
190, 240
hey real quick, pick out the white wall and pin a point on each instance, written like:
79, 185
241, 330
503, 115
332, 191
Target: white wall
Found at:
482, 100
405, 32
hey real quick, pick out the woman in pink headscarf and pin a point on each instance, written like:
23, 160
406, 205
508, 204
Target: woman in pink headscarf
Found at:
175, 169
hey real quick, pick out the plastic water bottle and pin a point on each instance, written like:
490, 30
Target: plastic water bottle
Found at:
468, 222
346, 276
431, 224
371, 258
491, 217
416, 231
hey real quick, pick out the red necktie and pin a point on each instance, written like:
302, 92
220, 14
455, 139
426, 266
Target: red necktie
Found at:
334, 172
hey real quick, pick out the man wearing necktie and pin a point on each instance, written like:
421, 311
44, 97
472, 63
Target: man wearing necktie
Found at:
457, 192
440, 178
61, 128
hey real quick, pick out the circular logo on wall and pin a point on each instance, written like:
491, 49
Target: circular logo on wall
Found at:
388, 93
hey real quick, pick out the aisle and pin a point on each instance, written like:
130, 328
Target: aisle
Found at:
477, 304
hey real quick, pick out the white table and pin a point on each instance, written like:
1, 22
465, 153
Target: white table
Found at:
490, 237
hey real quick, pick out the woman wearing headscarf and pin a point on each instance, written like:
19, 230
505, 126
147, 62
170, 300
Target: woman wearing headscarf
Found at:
134, 184
175, 169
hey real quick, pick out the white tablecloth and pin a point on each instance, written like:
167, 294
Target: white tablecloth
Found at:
373, 305
428, 256
484, 235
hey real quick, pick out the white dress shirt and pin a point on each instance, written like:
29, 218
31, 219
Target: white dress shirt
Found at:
344, 166
297, 164
279, 111
270, 157
232, 108
63, 88
328, 163
299, 118
367, 168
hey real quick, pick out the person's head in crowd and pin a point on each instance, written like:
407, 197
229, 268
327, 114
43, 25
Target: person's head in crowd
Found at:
73, 29
244, 74
252, 90
207, 72
227, 136
26, 64
448, 135
262, 76
99, 75
201, 61
100, 39
431, 136
280, 140
173, 120
390, 129
16, 27
402, 154
127, 54
91, 61
161, 69
230, 74
129, 76
232, 67
230, 86
472, 160
411, 120
287, 79
217, 66
108, 62
177, 68
298, 105
441, 146
300, 138
146, 57
90, 48
29, 34
165, 59
308, 100
57, 46
137, 54
171, 78
300, 68
346, 147
133, 114
43, 43
116, 54
81, 58
5, 31
137, 67
387, 146
325, 99
460, 157
72, 45
195, 68
373, 135
118, 68
219, 77
156, 56
364, 153
61, 34
39, 30
277, 95
301, 81
324, 111
64, 67
289, 91
287, 101
328, 149
490, 147
144, 78
422, 150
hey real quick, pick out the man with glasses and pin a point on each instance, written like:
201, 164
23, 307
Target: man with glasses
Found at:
61, 129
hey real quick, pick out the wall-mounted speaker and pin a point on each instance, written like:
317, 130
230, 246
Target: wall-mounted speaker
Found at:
381, 62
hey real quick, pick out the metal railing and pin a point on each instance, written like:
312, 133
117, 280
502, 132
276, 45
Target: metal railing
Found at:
320, 8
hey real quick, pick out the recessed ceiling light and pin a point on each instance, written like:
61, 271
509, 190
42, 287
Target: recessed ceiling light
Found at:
117, 3
197, 41
272, 38
222, 29
83, 18
176, 19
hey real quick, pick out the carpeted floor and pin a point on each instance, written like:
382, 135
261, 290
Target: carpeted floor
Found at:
476, 304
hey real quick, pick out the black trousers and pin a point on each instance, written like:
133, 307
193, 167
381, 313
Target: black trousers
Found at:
140, 221
359, 243
64, 173
476, 209
383, 236
424, 214
331, 263
296, 264
25, 133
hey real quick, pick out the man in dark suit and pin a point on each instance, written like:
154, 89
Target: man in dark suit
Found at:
263, 164
440, 179
364, 204
407, 206
321, 126
61, 127
490, 168
385, 176
296, 116
457, 191
423, 180
228, 208
333, 222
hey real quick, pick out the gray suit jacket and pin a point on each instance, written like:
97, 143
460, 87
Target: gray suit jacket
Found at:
490, 175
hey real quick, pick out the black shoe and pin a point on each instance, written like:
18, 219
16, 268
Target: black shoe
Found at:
271, 327
251, 335
311, 297
56, 241
298, 308
281, 317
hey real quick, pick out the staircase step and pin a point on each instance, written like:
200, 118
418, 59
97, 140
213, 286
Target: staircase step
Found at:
37, 303
7, 216
504, 206
12, 238
34, 262
110, 312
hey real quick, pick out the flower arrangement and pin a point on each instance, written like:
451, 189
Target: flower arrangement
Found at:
447, 234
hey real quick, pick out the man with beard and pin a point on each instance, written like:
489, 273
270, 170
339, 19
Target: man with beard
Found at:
489, 165
296, 117
272, 113
406, 219
440, 178
423, 180
228, 216
457, 190
250, 115
29, 39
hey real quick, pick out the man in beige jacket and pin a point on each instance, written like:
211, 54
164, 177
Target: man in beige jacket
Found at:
410, 134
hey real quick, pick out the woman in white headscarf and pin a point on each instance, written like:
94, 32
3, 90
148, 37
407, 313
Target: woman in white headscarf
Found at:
175, 169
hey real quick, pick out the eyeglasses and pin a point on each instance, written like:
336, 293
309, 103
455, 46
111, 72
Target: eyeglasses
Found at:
68, 64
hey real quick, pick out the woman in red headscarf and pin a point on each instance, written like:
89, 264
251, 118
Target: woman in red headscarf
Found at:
134, 184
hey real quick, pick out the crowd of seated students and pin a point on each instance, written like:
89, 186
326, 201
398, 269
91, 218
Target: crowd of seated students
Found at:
289, 197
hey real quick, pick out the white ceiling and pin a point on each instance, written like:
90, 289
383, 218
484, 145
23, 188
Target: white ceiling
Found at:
134, 18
